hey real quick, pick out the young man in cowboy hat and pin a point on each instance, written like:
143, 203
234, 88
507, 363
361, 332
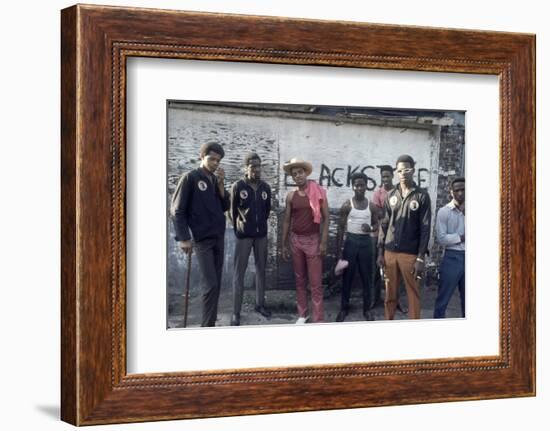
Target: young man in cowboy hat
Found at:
306, 220
199, 203
250, 208
404, 236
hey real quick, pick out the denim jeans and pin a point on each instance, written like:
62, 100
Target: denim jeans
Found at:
451, 276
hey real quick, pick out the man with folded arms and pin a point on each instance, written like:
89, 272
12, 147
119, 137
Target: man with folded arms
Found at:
404, 237
450, 233
306, 219
199, 203
250, 208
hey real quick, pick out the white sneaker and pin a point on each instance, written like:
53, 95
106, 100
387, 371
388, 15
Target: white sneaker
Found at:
302, 320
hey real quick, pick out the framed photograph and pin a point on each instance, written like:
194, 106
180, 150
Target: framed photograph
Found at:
343, 145
241, 197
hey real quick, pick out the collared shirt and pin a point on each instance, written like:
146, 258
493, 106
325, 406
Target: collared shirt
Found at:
379, 196
378, 199
449, 226
197, 205
405, 227
250, 208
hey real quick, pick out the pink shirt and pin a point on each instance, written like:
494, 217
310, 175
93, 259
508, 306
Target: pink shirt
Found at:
379, 196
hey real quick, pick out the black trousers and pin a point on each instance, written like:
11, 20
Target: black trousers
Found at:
209, 254
358, 252
377, 282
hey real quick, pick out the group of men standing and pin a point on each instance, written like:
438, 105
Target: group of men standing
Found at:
393, 230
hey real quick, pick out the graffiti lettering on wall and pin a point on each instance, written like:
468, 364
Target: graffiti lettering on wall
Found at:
341, 176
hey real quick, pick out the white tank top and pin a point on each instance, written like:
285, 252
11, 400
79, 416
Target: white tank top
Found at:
357, 218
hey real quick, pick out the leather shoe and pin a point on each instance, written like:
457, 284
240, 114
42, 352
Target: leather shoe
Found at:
402, 308
342, 315
236, 320
368, 315
263, 311
377, 302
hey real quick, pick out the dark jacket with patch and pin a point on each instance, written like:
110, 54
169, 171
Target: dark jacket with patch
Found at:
250, 209
197, 205
405, 227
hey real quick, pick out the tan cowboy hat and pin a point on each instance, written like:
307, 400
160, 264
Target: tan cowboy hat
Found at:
297, 163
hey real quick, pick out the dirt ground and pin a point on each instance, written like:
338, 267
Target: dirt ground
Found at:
282, 304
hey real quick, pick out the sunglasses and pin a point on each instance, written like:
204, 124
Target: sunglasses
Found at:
404, 171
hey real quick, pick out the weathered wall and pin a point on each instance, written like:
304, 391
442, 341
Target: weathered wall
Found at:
451, 165
187, 130
336, 146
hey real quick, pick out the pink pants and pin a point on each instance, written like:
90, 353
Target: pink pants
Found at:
308, 266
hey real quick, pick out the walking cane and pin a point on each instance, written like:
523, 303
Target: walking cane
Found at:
187, 282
